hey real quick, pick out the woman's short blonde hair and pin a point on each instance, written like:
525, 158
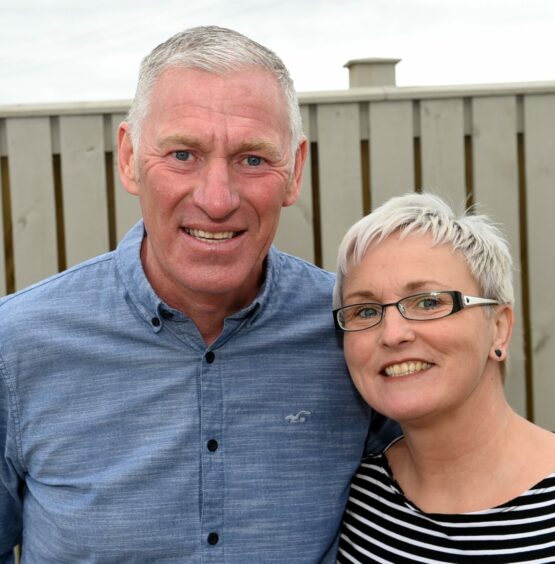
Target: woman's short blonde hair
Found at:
480, 242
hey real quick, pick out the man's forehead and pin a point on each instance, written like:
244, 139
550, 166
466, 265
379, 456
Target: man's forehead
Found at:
195, 104
240, 93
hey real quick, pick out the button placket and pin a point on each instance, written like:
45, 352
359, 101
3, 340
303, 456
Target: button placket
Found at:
211, 452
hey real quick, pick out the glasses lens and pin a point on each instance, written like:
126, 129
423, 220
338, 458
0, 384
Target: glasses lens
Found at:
359, 316
431, 305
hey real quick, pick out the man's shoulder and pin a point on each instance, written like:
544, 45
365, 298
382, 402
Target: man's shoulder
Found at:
292, 265
297, 284
69, 284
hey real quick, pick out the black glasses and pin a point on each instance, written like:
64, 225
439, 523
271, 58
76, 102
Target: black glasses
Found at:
420, 307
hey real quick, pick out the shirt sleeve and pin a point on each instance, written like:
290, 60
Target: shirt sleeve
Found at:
11, 481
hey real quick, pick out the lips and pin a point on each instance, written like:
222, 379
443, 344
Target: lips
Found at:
406, 368
211, 236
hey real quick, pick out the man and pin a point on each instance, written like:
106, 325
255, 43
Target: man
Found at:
184, 398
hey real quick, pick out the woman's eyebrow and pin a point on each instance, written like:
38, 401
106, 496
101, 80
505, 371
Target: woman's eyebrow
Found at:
414, 286
423, 285
362, 295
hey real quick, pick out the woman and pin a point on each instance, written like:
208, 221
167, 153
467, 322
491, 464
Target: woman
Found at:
425, 303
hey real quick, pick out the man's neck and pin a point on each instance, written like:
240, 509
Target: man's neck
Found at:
206, 307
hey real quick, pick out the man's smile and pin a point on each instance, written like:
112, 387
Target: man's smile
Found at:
211, 236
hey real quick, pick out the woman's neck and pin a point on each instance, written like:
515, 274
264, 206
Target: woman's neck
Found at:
470, 460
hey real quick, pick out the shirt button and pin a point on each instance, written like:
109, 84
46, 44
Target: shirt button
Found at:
210, 356
155, 321
212, 445
213, 538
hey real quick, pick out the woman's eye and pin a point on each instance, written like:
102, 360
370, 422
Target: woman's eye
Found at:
183, 155
367, 313
253, 160
429, 303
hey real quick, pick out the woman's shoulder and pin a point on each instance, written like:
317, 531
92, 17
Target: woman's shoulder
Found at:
537, 451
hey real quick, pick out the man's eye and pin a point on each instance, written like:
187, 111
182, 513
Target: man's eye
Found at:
183, 155
253, 160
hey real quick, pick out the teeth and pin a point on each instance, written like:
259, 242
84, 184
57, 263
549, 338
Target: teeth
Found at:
209, 236
406, 368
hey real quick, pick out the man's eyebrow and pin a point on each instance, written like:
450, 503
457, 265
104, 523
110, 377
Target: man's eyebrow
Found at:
246, 146
181, 140
259, 145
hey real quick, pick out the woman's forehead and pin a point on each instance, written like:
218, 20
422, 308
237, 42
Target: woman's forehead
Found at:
411, 263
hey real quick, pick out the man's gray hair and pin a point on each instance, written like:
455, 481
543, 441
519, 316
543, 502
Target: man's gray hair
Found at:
217, 50
479, 241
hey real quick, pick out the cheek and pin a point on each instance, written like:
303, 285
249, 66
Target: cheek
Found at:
476, 339
265, 192
266, 207
357, 354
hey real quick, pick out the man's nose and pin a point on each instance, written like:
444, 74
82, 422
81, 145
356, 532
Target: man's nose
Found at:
215, 193
394, 328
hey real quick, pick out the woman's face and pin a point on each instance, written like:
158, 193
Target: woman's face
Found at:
449, 360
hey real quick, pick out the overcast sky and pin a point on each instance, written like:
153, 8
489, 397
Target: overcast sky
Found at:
74, 50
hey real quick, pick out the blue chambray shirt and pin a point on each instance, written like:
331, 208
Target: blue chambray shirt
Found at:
124, 438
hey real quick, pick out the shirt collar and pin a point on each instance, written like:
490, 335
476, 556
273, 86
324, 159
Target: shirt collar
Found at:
132, 274
147, 302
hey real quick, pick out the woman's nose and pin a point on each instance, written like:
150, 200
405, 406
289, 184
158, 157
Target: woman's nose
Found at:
394, 328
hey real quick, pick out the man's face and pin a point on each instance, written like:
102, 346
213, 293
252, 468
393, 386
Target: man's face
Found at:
212, 172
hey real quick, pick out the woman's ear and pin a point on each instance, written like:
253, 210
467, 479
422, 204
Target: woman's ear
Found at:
504, 321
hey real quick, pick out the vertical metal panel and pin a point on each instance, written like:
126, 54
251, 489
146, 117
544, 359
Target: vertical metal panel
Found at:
84, 187
340, 175
128, 209
539, 136
442, 149
32, 197
496, 190
295, 233
391, 150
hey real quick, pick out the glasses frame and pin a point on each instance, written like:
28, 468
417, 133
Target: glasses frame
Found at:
460, 302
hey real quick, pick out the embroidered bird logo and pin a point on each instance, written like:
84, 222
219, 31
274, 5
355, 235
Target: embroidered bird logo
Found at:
301, 417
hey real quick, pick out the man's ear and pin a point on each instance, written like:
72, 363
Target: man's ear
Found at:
126, 160
294, 188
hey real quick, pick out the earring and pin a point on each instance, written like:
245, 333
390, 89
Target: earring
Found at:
498, 353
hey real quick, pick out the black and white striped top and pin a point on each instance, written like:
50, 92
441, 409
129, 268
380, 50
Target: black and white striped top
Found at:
381, 525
